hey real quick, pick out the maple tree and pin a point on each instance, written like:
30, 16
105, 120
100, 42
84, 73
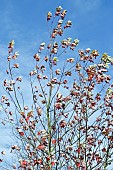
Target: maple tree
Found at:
70, 121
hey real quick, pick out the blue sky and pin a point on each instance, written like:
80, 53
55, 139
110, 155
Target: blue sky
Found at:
25, 22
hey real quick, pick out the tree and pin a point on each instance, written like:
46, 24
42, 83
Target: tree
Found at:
69, 124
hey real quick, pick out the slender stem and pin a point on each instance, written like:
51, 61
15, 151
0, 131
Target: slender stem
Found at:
10, 70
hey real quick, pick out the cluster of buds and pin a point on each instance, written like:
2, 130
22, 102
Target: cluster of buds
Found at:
59, 27
9, 85
16, 65
58, 105
58, 30
15, 147
39, 111
42, 46
55, 45
54, 33
87, 50
62, 123
4, 99
74, 44
11, 46
54, 48
37, 57
23, 164
63, 14
55, 60
58, 10
109, 91
95, 53
54, 81
46, 58
68, 73
57, 71
78, 67
66, 42
60, 22
68, 24
70, 60
81, 53
9, 58
49, 46
30, 114
34, 72
19, 79
107, 59
13, 57
42, 68
88, 55
39, 76
20, 131
60, 102
27, 147
49, 15
3, 153
16, 54
91, 71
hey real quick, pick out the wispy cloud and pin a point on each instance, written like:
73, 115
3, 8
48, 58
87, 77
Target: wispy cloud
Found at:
88, 5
